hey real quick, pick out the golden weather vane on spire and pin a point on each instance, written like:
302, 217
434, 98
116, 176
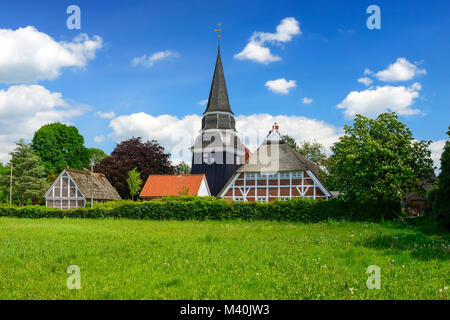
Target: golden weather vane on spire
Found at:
219, 30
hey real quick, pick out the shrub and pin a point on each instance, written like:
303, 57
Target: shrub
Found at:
210, 208
109, 204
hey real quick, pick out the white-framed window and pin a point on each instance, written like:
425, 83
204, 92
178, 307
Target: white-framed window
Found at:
261, 199
250, 175
284, 198
297, 174
64, 194
273, 176
238, 198
284, 175
261, 176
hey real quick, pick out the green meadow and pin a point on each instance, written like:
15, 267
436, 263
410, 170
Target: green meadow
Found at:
135, 259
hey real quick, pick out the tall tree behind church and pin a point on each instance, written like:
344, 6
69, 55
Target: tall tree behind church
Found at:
147, 157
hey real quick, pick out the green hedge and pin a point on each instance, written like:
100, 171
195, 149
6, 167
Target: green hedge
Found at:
196, 208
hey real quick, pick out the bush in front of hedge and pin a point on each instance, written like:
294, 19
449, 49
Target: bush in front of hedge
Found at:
210, 208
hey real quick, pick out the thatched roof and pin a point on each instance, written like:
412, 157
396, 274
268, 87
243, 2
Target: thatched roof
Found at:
101, 187
274, 155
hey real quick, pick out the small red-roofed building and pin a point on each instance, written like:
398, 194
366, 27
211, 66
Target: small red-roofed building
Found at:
158, 186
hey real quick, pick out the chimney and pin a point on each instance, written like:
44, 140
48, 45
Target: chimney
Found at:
275, 127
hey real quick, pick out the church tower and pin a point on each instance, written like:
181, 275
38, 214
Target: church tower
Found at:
217, 151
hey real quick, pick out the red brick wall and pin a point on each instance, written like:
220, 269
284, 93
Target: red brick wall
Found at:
274, 188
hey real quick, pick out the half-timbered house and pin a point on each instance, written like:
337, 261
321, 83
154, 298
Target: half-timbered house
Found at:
73, 188
275, 171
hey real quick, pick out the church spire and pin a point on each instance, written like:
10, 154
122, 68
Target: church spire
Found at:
217, 151
218, 95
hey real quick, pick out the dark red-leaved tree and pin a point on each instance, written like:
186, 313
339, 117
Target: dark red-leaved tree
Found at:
148, 158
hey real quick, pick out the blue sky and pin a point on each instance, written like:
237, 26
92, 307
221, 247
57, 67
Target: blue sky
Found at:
325, 57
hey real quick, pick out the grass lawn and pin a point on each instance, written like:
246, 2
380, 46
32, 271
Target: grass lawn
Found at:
132, 259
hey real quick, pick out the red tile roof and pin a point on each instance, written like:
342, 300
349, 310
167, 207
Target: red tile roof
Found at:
171, 185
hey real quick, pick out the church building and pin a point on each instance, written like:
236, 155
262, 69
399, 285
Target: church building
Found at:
217, 151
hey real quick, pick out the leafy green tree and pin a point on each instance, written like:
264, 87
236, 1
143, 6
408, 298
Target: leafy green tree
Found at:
29, 178
51, 177
291, 142
184, 191
441, 204
60, 146
96, 155
134, 182
314, 151
182, 168
379, 159
4, 183
148, 157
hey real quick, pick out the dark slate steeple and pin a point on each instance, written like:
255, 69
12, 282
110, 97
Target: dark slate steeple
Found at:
218, 95
217, 152
218, 114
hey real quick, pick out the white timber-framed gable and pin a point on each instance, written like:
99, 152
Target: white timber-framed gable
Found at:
64, 193
267, 187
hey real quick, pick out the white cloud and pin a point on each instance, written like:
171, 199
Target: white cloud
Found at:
287, 28
106, 115
366, 81
99, 139
5, 148
177, 135
367, 72
307, 100
372, 102
28, 55
257, 51
299, 128
436, 148
25, 108
280, 85
401, 70
203, 102
149, 61
416, 86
